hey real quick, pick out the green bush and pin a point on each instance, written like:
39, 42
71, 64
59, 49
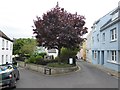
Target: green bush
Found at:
66, 53
42, 54
45, 62
38, 59
26, 60
32, 59
61, 65
39, 54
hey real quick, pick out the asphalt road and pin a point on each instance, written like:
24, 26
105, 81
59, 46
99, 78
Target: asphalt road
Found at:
87, 77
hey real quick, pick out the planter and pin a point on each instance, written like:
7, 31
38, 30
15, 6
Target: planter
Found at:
46, 69
63, 70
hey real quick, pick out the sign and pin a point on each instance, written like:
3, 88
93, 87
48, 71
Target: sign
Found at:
70, 60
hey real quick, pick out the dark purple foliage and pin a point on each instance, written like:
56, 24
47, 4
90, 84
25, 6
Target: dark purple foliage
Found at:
57, 28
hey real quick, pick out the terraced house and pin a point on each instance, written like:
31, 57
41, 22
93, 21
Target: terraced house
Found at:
6, 48
106, 40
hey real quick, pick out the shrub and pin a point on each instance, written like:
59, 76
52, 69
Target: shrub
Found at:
38, 59
32, 59
42, 54
39, 54
26, 60
62, 65
66, 54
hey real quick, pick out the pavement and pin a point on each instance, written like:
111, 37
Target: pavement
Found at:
106, 70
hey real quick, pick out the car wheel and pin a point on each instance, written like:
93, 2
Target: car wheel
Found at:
18, 77
13, 84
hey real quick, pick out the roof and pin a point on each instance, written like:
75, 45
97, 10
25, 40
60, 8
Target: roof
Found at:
4, 36
110, 20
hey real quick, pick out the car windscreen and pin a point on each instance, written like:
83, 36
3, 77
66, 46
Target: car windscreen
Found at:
3, 68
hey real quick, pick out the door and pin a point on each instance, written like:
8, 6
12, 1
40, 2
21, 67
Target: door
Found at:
98, 57
102, 57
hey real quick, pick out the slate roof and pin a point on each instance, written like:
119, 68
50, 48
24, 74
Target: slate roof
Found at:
110, 20
4, 36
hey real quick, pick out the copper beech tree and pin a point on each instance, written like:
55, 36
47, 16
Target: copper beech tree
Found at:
58, 28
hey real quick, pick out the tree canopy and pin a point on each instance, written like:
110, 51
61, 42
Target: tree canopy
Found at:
58, 28
24, 46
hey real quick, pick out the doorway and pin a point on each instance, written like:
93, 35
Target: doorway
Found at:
98, 57
102, 57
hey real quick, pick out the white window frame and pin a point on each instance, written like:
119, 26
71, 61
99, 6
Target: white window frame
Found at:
113, 34
113, 56
3, 44
6, 58
6, 45
11, 46
2, 59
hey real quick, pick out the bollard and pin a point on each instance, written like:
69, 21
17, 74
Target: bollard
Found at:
47, 71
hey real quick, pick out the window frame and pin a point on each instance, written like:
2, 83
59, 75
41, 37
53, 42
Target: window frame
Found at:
3, 44
95, 54
103, 37
113, 34
114, 56
98, 38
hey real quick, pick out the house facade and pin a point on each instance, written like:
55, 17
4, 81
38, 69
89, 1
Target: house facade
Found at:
88, 47
106, 40
52, 52
6, 48
82, 53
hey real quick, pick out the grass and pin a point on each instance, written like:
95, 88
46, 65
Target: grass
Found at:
59, 65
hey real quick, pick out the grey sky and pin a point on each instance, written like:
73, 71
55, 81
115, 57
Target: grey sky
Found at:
16, 16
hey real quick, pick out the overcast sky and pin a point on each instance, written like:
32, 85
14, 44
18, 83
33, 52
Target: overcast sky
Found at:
16, 16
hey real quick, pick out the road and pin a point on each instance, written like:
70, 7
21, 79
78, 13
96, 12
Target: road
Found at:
87, 77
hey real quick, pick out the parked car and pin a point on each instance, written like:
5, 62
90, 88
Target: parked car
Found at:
9, 74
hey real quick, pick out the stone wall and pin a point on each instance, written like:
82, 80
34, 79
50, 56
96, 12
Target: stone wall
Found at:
47, 70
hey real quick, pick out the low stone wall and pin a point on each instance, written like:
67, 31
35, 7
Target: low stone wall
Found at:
21, 64
47, 70
63, 70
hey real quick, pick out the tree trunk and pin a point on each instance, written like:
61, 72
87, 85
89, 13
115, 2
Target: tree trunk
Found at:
59, 61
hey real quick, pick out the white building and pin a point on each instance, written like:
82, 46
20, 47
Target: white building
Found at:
6, 48
52, 52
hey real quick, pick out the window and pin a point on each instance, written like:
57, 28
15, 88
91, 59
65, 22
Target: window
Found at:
2, 59
103, 36
6, 58
98, 37
113, 56
118, 56
6, 45
11, 58
3, 44
10, 46
108, 55
92, 39
95, 53
94, 27
113, 34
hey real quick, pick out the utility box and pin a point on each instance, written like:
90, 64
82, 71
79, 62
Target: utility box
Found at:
70, 60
